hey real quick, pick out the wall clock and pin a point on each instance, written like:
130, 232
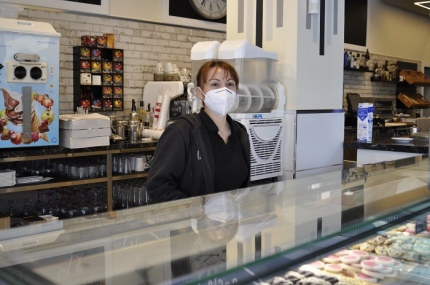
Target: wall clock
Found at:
210, 9
206, 261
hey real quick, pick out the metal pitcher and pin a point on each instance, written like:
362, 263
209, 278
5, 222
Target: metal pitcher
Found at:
121, 129
135, 131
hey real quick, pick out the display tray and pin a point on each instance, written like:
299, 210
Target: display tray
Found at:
397, 255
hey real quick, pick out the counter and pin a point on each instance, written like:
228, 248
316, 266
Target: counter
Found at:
235, 237
414, 146
54, 150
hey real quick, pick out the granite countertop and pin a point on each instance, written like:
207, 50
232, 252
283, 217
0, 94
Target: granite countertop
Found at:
414, 146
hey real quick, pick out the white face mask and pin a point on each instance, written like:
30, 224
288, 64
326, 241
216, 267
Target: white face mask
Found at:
221, 101
220, 207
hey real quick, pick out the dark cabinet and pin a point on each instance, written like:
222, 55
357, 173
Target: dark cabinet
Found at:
98, 78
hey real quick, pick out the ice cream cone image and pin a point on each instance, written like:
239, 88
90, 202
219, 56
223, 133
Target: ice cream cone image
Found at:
35, 123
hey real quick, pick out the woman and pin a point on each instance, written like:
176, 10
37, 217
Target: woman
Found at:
207, 152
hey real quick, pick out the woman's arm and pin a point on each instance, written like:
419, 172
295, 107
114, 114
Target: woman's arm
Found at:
168, 165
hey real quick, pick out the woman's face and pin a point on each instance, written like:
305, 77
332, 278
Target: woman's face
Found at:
218, 78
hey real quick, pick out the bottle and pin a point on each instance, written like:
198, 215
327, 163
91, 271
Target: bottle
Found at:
141, 113
345, 59
133, 114
367, 56
149, 117
357, 61
352, 62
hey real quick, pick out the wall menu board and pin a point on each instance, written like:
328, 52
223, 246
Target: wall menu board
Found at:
356, 22
76, 267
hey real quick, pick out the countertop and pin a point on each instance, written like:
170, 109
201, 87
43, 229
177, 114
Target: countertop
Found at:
52, 150
414, 146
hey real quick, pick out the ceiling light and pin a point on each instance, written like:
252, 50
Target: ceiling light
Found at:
423, 4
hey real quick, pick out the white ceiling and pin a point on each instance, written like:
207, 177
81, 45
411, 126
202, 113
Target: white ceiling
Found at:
409, 5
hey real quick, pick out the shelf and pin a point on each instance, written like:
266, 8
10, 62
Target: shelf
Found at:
118, 176
98, 78
360, 70
45, 185
415, 78
373, 79
36, 154
57, 152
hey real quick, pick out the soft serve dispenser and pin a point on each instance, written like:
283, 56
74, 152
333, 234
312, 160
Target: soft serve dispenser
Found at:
261, 99
29, 83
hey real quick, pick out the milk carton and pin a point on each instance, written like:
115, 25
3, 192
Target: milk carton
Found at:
363, 122
370, 125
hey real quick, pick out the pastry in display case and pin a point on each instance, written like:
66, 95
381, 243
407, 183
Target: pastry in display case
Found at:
398, 255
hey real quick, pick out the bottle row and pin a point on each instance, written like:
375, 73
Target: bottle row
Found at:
381, 72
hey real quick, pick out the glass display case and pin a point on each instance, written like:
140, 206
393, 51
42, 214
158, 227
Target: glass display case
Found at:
263, 234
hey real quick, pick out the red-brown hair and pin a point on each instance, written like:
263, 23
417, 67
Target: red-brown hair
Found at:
202, 74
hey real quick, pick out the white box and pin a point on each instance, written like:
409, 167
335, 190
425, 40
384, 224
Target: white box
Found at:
84, 121
89, 133
84, 142
364, 127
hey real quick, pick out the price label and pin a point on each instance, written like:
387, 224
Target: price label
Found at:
420, 226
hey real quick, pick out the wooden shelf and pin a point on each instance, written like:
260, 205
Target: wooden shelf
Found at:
57, 153
119, 176
45, 185
373, 79
360, 70
416, 78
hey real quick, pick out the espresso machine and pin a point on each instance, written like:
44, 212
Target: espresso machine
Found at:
178, 102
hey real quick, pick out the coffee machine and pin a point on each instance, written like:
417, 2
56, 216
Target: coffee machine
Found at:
178, 101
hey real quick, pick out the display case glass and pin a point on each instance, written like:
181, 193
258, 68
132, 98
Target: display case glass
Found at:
245, 236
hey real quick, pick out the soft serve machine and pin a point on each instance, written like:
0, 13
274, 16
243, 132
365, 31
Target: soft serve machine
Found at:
261, 99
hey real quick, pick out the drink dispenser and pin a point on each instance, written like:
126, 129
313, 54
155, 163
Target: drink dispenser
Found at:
258, 90
261, 99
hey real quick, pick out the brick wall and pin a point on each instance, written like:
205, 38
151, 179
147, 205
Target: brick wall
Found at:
144, 45
359, 82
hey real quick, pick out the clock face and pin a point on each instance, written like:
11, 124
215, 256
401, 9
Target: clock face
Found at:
210, 9
205, 260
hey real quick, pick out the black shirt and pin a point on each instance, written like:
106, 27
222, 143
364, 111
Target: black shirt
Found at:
231, 169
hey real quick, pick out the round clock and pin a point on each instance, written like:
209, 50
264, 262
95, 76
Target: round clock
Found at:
210, 9
206, 260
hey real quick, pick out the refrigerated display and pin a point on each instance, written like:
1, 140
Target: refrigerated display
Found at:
245, 236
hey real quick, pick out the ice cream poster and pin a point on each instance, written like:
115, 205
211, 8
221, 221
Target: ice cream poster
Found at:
43, 119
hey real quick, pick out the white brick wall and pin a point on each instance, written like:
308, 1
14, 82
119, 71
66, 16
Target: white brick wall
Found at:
144, 45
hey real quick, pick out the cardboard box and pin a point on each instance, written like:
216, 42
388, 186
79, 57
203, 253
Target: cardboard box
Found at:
84, 142
365, 122
84, 121
89, 133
